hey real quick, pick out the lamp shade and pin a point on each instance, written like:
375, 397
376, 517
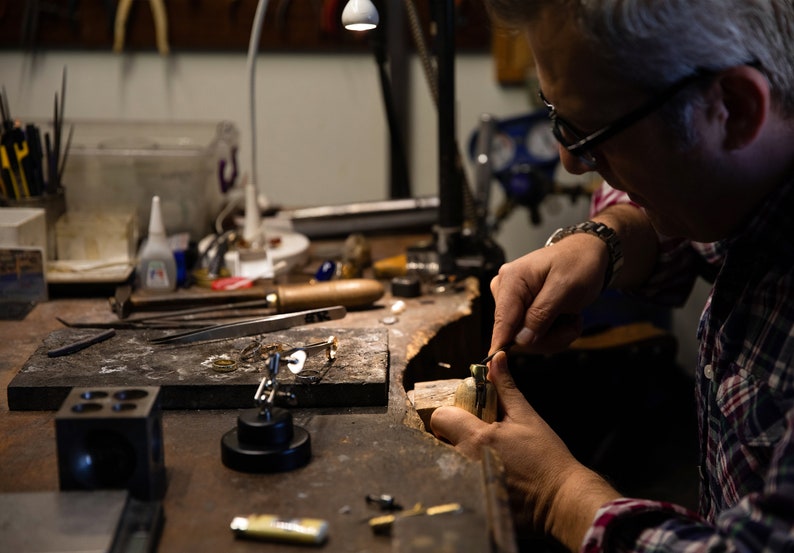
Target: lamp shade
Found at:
360, 15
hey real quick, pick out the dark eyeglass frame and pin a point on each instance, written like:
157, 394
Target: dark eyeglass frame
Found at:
582, 144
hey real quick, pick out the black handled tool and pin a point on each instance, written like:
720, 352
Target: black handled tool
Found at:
74, 347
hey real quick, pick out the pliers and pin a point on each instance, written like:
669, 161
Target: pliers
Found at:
160, 25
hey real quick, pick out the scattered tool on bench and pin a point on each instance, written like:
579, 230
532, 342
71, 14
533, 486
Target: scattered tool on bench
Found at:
183, 318
254, 326
81, 344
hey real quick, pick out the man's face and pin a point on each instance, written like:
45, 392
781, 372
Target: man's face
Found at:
642, 160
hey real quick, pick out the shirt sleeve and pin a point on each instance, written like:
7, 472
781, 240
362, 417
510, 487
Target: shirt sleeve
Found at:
761, 522
621, 525
679, 263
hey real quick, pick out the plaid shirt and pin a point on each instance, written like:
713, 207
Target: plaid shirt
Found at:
745, 390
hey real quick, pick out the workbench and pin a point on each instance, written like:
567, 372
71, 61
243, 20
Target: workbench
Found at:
356, 452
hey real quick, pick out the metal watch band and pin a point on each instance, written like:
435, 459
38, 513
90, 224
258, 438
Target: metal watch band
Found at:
600, 230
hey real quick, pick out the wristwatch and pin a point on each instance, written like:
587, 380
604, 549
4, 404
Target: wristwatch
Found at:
600, 230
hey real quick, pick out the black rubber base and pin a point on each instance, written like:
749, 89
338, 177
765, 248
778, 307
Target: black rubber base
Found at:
248, 458
265, 443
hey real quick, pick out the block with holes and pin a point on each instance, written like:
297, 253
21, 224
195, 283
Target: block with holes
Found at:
112, 438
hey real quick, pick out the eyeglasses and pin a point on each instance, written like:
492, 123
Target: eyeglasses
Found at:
581, 145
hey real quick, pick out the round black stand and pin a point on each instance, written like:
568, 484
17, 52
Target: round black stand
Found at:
265, 441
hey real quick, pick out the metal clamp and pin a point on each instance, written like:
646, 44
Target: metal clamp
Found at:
296, 357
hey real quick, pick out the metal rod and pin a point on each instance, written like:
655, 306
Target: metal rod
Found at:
450, 191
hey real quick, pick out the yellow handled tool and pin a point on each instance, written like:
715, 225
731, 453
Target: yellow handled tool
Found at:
6, 165
21, 150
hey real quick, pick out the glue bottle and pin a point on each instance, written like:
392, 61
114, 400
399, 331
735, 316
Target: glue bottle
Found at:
156, 263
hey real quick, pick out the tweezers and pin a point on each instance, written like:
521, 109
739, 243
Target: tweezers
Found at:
254, 326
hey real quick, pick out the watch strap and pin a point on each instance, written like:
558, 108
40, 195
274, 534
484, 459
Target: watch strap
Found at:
603, 232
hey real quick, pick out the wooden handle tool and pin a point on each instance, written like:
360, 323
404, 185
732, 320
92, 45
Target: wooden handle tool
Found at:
354, 292
285, 298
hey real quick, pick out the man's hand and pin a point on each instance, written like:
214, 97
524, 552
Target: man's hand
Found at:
550, 490
540, 296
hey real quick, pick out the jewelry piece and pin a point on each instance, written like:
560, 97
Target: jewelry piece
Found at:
255, 350
224, 365
250, 352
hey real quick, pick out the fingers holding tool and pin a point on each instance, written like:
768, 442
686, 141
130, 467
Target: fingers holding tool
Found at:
469, 433
539, 297
537, 463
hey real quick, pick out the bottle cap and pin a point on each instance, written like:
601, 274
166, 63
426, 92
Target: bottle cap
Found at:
156, 218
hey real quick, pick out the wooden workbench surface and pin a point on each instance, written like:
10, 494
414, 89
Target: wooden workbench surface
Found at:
356, 451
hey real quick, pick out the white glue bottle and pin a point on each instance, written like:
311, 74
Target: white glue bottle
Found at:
156, 263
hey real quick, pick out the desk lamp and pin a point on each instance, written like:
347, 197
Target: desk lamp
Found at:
360, 15
451, 208
458, 254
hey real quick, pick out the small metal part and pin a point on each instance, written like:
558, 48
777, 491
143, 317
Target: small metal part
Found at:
383, 524
406, 287
224, 365
296, 357
286, 397
268, 386
384, 502
330, 346
480, 374
389, 320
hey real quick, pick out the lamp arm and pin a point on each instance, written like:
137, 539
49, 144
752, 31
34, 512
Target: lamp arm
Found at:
253, 46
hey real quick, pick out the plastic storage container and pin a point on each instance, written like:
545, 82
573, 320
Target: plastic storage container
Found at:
118, 167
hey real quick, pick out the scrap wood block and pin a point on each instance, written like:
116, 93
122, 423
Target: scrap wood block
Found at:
432, 394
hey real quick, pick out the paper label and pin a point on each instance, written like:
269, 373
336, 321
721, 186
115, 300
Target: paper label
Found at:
157, 275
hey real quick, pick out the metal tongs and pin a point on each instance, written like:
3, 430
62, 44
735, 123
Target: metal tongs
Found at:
254, 326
